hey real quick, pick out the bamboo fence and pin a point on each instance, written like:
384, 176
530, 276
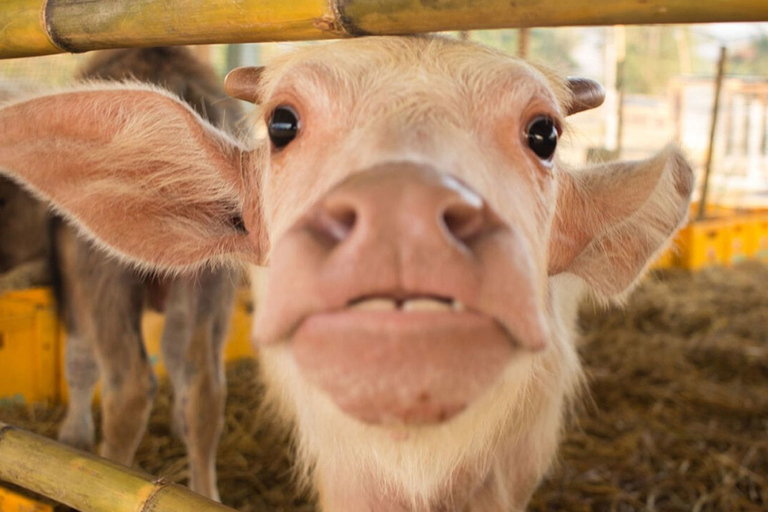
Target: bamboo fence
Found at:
40, 27
89, 483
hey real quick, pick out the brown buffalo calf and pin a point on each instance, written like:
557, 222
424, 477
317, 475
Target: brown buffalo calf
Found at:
426, 248
102, 298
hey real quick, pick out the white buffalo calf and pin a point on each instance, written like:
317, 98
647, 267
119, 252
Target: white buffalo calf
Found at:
426, 249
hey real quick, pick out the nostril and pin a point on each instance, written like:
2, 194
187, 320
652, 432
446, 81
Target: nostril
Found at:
342, 217
333, 222
465, 221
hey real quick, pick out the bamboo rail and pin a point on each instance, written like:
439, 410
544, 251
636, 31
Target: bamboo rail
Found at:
40, 27
89, 483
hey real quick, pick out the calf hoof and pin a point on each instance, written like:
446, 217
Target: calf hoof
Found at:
77, 433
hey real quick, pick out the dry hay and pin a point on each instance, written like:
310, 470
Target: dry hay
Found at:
677, 418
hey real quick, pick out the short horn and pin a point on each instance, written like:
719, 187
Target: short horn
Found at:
585, 94
243, 83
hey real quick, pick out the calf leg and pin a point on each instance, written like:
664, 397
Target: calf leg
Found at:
71, 284
197, 319
102, 302
82, 373
128, 386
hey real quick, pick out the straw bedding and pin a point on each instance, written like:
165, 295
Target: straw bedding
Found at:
676, 419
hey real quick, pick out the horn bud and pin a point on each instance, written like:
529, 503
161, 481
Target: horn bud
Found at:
586, 94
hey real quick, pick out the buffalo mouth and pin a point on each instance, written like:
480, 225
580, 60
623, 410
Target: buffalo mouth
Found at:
407, 304
413, 359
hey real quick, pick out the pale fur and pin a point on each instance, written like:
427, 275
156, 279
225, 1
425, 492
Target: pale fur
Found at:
429, 101
522, 415
204, 186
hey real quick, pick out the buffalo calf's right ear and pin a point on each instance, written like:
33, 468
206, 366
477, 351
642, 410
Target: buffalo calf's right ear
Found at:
136, 170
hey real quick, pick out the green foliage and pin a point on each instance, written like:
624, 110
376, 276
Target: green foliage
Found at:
653, 57
505, 40
551, 47
51, 70
752, 60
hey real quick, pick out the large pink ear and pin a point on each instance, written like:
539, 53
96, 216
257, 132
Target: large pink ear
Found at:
612, 219
138, 171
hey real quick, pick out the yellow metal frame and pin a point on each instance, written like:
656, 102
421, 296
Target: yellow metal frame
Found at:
40, 27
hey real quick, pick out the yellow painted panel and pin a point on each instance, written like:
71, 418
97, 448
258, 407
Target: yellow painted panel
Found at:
239, 341
704, 243
758, 237
737, 246
666, 259
14, 502
29, 347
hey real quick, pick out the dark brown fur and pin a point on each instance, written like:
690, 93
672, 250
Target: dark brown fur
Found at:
22, 218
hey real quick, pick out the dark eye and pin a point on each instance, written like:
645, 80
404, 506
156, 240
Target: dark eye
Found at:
542, 137
283, 126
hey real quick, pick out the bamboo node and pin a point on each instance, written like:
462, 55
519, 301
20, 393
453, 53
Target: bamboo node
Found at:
327, 24
158, 486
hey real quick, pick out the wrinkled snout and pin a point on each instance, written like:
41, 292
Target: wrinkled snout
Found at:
393, 291
404, 201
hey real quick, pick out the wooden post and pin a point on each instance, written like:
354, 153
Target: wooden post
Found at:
524, 38
621, 57
715, 108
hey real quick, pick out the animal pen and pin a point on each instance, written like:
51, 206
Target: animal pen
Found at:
646, 441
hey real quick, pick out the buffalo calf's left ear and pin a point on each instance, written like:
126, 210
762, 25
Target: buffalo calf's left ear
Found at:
612, 219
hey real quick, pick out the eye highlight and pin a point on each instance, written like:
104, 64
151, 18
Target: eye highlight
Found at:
542, 136
283, 126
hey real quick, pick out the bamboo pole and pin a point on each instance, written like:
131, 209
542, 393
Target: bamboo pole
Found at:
22, 31
38, 27
89, 483
712, 132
